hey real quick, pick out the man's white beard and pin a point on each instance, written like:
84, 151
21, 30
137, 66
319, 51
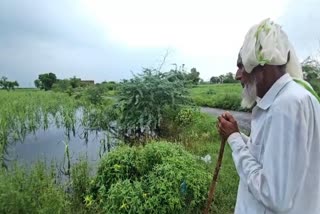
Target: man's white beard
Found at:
249, 95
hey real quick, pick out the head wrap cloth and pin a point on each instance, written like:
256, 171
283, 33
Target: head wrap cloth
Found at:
267, 43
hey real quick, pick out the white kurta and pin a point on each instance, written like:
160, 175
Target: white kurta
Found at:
279, 165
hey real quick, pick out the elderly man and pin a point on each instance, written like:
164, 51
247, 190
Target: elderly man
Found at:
279, 164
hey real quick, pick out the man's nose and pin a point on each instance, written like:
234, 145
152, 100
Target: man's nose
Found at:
239, 76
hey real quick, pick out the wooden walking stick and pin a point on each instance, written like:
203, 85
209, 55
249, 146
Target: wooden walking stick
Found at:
215, 176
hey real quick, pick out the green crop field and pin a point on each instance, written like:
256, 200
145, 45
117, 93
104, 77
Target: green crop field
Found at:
224, 96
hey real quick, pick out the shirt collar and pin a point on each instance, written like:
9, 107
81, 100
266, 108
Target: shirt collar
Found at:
272, 93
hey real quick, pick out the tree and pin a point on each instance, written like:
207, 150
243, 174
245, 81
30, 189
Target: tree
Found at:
8, 85
221, 78
75, 82
45, 81
224, 78
181, 75
214, 80
37, 83
176, 75
3, 82
311, 69
228, 78
194, 76
13, 84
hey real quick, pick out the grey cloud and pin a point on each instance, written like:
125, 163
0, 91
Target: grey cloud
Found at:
46, 20
51, 36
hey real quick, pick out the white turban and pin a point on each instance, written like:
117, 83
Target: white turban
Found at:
267, 43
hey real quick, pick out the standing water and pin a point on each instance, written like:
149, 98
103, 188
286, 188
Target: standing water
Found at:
51, 145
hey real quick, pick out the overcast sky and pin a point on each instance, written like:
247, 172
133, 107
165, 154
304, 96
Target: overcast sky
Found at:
107, 40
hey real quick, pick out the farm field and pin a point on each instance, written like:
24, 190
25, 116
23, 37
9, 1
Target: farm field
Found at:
56, 144
224, 96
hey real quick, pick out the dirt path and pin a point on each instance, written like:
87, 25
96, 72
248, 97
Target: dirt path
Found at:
243, 118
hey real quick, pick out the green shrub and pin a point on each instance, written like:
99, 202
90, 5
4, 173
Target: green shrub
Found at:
143, 101
31, 192
315, 83
190, 127
110, 86
125, 197
160, 177
201, 138
94, 94
61, 85
187, 115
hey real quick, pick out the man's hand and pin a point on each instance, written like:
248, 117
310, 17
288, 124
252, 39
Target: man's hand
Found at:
227, 125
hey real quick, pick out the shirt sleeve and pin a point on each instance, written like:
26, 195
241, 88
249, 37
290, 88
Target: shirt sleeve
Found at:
245, 138
276, 182
236, 135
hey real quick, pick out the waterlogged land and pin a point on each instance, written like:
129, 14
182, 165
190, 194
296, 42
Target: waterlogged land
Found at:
129, 177
34, 123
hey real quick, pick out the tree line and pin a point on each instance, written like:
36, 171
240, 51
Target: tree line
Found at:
48, 81
8, 85
226, 78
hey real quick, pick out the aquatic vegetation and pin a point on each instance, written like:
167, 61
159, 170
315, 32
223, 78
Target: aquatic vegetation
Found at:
23, 112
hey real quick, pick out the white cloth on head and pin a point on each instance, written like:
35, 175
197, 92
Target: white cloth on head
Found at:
267, 43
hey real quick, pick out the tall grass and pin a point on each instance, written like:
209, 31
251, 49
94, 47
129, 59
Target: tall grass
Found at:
40, 189
31, 191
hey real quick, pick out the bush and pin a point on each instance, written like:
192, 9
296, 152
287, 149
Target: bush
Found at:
110, 86
94, 94
160, 177
62, 86
187, 115
33, 192
190, 127
143, 101
316, 85
201, 138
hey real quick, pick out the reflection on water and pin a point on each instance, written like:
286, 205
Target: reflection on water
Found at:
49, 145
